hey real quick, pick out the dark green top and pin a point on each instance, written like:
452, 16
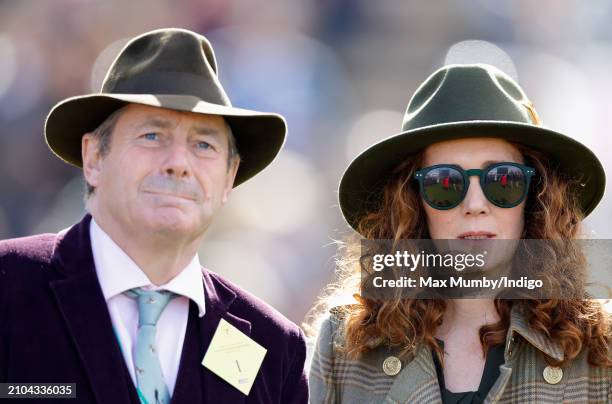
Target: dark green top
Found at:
495, 358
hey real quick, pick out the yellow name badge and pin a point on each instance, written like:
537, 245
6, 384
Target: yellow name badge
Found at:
234, 357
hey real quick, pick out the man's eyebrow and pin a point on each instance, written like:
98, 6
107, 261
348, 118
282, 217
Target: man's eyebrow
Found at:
206, 130
155, 122
162, 123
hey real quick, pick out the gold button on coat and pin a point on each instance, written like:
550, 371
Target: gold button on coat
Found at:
392, 366
553, 374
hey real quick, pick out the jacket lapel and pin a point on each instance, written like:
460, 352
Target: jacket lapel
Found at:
493, 396
84, 309
417, 382
218, 300
519, 324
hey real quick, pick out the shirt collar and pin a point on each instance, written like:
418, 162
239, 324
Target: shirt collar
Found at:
117, 272
519, 325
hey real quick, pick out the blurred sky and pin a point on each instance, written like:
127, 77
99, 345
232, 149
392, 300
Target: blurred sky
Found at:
341, 71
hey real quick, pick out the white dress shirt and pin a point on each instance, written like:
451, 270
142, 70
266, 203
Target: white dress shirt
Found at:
117, 273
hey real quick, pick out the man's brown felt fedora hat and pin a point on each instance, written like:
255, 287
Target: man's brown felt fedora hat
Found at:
461, 101
170, 68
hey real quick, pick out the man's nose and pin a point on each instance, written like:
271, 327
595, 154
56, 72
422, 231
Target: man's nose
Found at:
176, 162
475, 201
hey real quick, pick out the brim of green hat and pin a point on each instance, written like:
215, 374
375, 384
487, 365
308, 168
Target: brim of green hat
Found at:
363, 181
259, 135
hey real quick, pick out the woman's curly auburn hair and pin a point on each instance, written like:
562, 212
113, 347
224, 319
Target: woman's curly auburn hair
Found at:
551, 212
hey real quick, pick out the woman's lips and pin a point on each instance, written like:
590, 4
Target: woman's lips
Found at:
476, 235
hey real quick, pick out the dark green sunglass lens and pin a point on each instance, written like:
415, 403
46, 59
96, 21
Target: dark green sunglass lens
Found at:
443, 187
505, 185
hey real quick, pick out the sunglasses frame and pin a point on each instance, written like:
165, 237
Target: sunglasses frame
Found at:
420, 174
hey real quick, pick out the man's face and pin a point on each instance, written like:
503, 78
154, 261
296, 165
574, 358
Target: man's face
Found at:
166, 173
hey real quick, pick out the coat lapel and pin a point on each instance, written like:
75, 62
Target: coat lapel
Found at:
218, 300
85, 312
417, 382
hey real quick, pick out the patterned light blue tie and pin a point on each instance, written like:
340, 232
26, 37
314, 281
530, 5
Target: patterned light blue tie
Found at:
152, 388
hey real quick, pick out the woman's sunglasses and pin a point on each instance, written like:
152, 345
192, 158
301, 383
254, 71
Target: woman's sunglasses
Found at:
444, 186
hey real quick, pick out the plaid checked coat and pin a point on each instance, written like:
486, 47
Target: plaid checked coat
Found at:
335, 379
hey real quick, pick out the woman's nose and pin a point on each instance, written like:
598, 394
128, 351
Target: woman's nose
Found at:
475, 201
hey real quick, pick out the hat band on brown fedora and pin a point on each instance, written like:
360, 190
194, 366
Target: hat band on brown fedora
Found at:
171, 83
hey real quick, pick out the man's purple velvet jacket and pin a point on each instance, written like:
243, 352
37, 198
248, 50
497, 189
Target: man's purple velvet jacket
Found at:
55, 327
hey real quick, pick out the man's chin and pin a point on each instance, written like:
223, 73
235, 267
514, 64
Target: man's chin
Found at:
172, 223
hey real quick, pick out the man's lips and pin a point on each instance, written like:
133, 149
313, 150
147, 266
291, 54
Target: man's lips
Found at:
476, 235
171, 195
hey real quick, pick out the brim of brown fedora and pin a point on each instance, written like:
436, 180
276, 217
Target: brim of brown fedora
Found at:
362, 183
259, 135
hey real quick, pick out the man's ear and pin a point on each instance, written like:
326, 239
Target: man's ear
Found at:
231, 176
92, 160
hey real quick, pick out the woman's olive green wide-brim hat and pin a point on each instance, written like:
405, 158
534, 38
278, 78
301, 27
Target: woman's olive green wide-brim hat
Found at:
466, 101
170, 68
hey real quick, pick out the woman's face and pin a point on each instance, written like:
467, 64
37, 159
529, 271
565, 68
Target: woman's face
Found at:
475, 214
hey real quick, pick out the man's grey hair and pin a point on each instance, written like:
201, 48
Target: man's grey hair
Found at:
104, 131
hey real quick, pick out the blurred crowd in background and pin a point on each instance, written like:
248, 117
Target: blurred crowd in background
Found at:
340, 71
